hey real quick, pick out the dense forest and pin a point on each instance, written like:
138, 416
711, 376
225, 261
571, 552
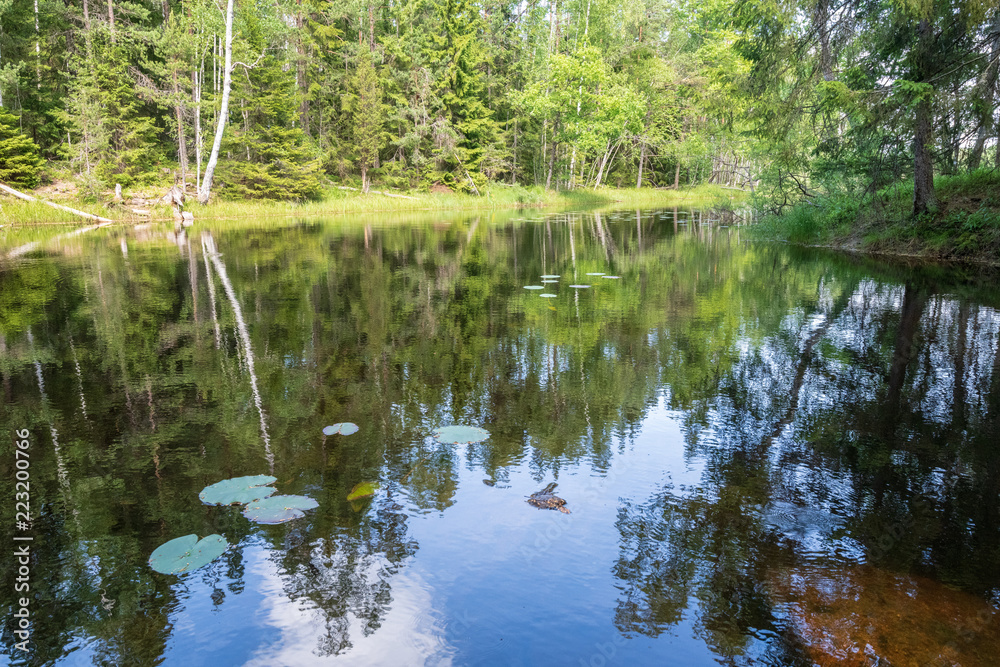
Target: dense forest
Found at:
252, 99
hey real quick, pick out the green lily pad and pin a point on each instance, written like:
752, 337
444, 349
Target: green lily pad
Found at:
549, 275
595, 274
580, 286
611, 277
238, 490
460, 434
363, 490
343, 428
549, 282
548, 296
279, 509
533, 287
187, 553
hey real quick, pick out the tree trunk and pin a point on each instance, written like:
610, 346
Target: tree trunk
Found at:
196, 77
38, 50
677, 176
552, 161
301, 77
604, 162
181, 138
82, 214
513, 168
923, 167
642, 156
822, 18
111, 19
989, 92
545, 146
206, 185
914, 300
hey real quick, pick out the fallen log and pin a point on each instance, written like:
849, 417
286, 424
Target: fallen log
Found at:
377, 192
82, 214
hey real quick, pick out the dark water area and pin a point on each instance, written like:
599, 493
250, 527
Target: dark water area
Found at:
770, 456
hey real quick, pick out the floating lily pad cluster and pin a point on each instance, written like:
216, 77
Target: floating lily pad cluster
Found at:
550, 278
341, 428
255, 492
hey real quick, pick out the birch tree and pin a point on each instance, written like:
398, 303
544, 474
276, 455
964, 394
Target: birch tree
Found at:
205, 190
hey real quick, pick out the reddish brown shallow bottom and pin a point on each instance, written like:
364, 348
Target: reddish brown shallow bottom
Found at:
862, 615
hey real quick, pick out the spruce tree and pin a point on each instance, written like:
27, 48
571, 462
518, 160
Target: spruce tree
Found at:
368, 112
268, 158
19, 161
461, 84
131, 132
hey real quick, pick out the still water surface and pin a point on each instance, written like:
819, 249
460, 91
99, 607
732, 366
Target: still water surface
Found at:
771, 456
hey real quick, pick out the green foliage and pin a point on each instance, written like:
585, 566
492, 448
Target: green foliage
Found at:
966, 225
368, 114
19, 159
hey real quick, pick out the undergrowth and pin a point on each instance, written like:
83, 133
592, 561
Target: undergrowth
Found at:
964, 225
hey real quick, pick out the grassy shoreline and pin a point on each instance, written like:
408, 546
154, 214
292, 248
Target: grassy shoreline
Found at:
16, 212
964, 227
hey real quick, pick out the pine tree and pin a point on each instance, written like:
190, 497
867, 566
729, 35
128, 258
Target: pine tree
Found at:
368, 114
19, 160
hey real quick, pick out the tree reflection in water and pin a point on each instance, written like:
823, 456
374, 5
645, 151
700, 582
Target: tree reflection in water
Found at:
865, 531
843, 417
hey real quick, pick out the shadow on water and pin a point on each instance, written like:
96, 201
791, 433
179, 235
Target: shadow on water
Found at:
772, 455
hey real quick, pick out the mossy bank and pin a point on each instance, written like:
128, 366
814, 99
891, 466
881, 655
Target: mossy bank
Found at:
964, 225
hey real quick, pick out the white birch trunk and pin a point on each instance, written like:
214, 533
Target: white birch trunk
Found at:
642, 157
206, 185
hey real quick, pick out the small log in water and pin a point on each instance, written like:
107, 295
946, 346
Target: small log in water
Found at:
21, 195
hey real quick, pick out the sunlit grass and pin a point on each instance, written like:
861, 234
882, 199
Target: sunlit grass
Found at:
16, 213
